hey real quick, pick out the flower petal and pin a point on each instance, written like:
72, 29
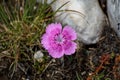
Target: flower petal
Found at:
69, 47
45, 41
69, 33
54, 28
56, 52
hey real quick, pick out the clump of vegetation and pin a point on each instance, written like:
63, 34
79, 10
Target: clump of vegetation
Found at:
22, 22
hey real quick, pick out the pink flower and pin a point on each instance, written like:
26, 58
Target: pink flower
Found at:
59, 42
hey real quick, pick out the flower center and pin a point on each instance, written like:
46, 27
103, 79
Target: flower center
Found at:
59, 38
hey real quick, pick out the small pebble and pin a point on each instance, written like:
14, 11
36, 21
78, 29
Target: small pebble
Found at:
38, 56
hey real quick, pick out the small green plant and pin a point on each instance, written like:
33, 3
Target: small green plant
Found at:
22, 22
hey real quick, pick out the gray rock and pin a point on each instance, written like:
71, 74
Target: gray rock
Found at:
85, 16
113, 10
